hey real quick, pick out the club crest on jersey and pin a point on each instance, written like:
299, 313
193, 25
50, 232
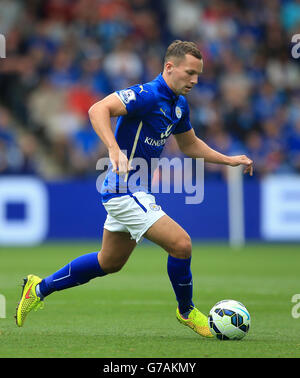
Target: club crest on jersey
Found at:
127, 95
154, 207
178, 112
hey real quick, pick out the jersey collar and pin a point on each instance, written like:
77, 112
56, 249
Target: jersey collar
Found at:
167, 90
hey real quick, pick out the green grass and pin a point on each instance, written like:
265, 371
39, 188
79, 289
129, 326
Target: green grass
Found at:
132, 313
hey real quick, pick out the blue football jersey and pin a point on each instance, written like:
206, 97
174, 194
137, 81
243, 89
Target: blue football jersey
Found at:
154, 112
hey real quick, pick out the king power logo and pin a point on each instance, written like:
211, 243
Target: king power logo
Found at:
167, 132
2, 46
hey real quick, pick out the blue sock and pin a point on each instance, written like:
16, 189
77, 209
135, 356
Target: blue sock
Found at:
77, 272
179, 271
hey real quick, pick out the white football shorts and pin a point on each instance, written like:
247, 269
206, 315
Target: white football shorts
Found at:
133, 213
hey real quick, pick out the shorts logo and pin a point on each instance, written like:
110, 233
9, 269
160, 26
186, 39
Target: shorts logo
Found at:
127, 95
178, 112
154, 207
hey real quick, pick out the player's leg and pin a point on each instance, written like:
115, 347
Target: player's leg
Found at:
169, 235
175, 240
116, 249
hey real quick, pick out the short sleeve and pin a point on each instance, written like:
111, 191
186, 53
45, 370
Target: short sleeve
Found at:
184, 124
137, 99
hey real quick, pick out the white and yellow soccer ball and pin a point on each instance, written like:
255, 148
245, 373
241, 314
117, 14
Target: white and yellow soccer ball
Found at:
229, 320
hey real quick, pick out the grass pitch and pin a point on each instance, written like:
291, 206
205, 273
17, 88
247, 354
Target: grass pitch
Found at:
131, 314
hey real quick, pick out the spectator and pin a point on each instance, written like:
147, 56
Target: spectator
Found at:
266, 102
290, 15
123, 66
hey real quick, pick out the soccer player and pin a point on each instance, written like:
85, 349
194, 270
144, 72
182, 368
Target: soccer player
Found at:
148, 114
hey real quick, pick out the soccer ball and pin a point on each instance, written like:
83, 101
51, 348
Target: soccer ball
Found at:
229, 320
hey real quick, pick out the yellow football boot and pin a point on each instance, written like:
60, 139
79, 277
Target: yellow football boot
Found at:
197, 321
29, 300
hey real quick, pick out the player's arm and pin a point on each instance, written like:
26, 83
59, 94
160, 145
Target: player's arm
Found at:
194, 147
100, 114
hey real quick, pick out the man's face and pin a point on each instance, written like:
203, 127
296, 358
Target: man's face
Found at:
183, 74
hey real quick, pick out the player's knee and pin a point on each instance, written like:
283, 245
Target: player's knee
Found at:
113, 268
182, 249
109, 264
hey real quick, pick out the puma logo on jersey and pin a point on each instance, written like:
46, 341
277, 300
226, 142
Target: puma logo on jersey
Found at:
163, 112
142, 89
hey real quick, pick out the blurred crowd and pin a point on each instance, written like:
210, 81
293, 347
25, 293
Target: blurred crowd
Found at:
64, 55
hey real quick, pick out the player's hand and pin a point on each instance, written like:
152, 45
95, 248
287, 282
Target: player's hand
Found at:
242, 160
119, 161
